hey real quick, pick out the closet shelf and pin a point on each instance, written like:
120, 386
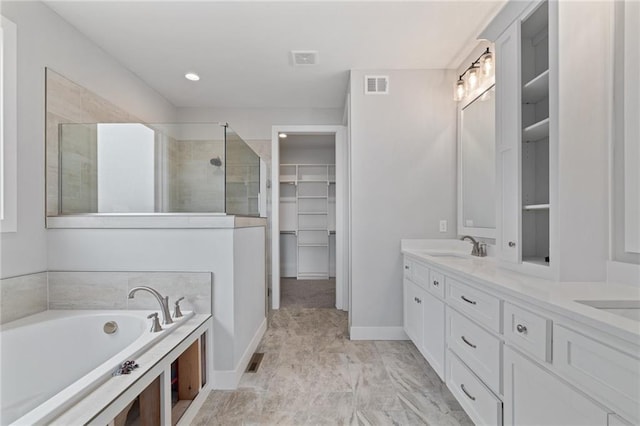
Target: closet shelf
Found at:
312, 197
536, 131
288, 181
312, 181
312, 245
311, 213
288, 232
536, 207
536, 89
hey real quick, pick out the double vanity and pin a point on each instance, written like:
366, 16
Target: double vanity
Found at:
521, 350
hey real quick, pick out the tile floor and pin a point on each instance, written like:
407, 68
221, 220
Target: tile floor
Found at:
307, 293
312, 374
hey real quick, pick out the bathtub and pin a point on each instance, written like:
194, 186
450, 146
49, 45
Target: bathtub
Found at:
51, 360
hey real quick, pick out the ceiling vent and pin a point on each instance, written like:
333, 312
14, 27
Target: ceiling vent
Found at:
376, 84
304, 57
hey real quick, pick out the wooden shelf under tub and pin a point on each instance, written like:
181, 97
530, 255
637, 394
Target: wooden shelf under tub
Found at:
188, 377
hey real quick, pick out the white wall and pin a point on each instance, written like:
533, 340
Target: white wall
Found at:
188, 250
403, 181
299, 153
45, 40
255, 123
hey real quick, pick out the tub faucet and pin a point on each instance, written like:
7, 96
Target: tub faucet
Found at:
479, 249
163, 301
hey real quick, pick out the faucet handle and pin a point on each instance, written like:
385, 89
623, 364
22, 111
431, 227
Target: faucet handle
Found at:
155, 322
176, 312
483, 249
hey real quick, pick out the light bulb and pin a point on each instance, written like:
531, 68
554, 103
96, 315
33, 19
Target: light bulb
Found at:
459, 90
487, 63
473, 79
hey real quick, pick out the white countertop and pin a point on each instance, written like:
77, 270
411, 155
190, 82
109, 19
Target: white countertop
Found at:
559, 297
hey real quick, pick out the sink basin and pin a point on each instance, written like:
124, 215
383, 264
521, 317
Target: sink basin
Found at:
445, 254
624, 308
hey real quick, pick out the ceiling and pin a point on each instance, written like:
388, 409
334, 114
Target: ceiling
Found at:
241, 49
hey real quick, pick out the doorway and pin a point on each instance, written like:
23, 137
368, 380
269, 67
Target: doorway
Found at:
308, 221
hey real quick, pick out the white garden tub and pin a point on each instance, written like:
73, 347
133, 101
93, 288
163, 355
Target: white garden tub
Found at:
51, 360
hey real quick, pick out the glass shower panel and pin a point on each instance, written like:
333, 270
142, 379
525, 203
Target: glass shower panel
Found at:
242, 176
141, 168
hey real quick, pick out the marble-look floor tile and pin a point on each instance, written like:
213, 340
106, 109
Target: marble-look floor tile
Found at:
312, 374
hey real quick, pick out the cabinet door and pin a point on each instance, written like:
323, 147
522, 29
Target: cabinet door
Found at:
433, 336
533, 396
413, 312
508, 136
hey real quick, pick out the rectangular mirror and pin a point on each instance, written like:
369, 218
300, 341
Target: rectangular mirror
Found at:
476, 166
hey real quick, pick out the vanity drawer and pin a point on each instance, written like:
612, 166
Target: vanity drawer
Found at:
476, 304
408, 268
436, 283
479, 349
528, 331
421, 275
480, 404
608, 374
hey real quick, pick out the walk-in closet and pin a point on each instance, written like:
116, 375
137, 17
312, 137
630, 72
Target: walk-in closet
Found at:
308, 215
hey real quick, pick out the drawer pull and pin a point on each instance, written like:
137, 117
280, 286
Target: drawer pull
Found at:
473, 302
436, 283
468, 342
521, 329
418, 300
473, 398
406, 266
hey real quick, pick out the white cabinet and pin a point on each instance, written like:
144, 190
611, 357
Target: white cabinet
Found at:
523, 137
551, 167
478, 401
413, 313
612, 374
535, 397
424, 314
433, 332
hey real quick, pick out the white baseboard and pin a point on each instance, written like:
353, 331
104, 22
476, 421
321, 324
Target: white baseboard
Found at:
377, 333
229, 379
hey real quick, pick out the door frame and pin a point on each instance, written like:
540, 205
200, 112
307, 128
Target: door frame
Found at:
343, 287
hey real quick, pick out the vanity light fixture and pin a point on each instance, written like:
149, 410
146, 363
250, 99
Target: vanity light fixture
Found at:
192, 76
472, 77
486, 63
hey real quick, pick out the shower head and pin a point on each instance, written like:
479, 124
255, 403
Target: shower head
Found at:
216, 161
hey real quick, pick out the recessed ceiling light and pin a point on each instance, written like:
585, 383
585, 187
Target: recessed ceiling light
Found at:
282, 135
192, 76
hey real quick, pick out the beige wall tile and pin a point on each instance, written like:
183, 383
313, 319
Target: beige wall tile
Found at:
195, 287
22, 296
87, 290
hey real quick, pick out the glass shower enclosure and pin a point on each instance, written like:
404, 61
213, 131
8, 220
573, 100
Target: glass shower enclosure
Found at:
132, 168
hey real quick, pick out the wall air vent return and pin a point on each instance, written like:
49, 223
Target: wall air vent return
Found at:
304, 57
376, 84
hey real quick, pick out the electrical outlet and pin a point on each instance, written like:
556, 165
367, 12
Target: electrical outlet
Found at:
443, 226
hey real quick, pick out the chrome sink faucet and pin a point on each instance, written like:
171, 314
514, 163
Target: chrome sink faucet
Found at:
479, 249
163, 301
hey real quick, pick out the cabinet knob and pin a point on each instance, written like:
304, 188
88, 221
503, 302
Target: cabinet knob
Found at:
521, 328
406, 266
436, 283
512, 244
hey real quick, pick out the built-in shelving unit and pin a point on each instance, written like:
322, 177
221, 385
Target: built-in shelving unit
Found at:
307, 217
535, 136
